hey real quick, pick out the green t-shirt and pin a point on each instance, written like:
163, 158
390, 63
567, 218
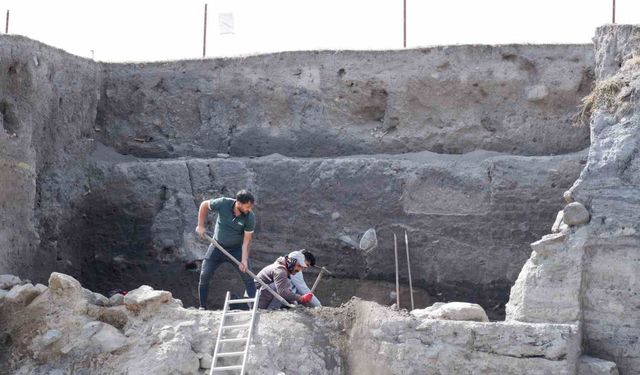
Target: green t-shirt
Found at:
229, 230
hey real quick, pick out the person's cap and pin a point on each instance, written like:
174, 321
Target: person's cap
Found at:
299, 257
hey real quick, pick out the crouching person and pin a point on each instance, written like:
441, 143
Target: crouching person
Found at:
278, 274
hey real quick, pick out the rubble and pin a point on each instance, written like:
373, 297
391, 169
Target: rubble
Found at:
361, 335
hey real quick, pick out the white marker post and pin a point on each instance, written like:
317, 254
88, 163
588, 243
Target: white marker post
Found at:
395, 249
406, 242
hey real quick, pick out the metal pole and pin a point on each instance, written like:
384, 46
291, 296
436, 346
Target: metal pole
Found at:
613, 16
204, 38
234, 260
6, 25
406, 242
395, 249
404, 27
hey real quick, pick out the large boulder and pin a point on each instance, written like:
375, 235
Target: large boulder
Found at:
575, 214
458, 311
61, 283
145, 297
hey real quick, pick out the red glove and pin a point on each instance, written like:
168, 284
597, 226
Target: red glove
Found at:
306, 298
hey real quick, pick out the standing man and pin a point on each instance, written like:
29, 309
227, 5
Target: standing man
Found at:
233, 231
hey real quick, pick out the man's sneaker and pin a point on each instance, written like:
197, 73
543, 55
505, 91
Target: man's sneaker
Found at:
202, 308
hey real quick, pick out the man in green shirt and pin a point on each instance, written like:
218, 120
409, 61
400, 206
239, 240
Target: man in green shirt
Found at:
233, 231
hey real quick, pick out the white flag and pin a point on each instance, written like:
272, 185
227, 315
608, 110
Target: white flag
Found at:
226, 23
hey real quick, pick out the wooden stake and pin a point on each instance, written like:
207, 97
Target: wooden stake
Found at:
613, 16
6, 25
395, 249
406, 242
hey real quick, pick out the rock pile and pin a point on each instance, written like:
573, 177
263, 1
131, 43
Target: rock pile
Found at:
65, 329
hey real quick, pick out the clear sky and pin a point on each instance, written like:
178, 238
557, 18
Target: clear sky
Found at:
146, 30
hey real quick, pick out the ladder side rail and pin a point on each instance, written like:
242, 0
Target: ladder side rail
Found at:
217, 347
246, 348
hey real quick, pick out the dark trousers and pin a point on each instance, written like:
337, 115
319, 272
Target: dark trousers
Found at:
212, 261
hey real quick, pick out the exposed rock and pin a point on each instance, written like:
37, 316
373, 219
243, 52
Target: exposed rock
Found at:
103, 336
61, 283
422, 313
321, 112
205, 360
22, 294
589, 275
537, 295
480, 188
358, 337
172, 357
41, 288
347, 240
537, 93
458, 311
50, 337
558, 224
568, 196
116, 299
575, 214
336, 107
596, 366
145, 298
8, 281
384, 342
461, 207
95, 298
369, 240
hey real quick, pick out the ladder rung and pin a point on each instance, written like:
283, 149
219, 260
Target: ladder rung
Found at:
238, 313
225, 368
237, 326
230, 354
240, 339
243, 300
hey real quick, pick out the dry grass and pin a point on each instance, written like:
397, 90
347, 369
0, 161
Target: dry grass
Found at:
604, 94
607, 93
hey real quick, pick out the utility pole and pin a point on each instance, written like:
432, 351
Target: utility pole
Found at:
613, 15
204, 38
404, 26
6, 25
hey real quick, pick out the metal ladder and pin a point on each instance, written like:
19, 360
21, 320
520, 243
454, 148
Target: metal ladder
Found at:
246, 328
